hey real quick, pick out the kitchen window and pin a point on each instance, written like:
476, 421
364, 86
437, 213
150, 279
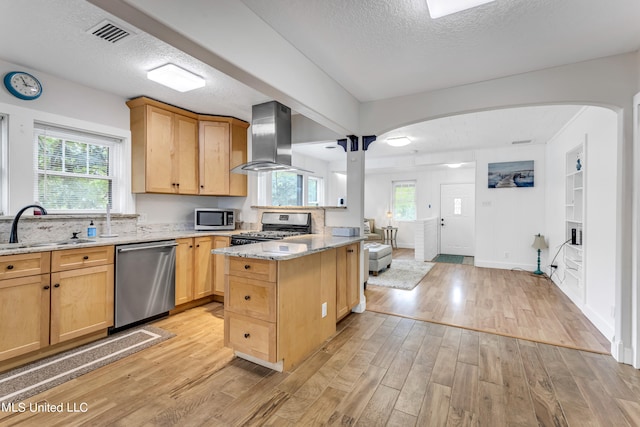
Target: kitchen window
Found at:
404, 200
285, 188
75, 171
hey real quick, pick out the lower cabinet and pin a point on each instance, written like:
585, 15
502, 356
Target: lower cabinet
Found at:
347, 279
194, 268
43, 309
218, 264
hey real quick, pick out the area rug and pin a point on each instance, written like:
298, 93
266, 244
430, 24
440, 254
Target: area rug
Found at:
29, 380
450, 259
403, 274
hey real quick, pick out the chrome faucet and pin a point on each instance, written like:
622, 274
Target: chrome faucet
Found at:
13, 237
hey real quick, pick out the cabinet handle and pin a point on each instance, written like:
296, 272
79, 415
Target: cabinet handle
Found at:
85, 257
198, 245
178, 184
247, 266
247, 335
247, 297
349, 250
46, 287
57, 285
190, 246
9, 267
202, 186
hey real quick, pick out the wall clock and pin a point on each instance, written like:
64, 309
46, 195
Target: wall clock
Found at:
23, 85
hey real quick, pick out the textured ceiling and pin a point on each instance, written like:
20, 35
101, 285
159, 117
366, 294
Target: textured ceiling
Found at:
379, 49
374, 48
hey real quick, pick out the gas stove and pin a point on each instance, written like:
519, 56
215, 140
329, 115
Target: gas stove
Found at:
276, 226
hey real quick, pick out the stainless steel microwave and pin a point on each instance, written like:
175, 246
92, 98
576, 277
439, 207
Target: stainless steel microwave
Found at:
214, 219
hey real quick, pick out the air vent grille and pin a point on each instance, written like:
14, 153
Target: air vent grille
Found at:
110, 32
524, 141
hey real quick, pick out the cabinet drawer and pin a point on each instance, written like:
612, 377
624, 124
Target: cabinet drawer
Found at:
251, 298
12, 266
259, 269
251, 336
71, 259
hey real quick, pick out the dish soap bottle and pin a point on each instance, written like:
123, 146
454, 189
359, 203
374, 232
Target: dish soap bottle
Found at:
91, 231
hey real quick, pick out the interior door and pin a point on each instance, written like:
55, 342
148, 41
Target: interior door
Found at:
457, 219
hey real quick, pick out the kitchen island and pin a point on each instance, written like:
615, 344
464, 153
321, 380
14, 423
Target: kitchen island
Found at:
283, 298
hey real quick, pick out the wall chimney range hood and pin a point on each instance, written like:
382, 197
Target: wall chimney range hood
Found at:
270, 140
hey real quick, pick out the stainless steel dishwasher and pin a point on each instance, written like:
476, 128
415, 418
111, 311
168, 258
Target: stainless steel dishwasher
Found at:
145, 281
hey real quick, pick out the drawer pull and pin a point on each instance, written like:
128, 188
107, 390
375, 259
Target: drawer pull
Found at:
247, 266
247, 335
46, 287
349, 250
9, 267
57, 285
247, 297
85, 257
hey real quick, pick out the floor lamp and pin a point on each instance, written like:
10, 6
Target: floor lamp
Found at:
539, 244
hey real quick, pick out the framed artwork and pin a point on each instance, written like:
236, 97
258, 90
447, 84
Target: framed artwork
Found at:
511, 174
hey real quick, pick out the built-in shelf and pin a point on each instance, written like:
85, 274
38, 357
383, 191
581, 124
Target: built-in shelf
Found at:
574, 250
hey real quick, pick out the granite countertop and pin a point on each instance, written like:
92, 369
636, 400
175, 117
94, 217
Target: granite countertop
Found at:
289, 248
25, 248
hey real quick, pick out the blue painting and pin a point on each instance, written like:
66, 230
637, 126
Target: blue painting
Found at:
511, 174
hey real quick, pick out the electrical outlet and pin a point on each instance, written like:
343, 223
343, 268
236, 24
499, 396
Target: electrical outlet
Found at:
324, 309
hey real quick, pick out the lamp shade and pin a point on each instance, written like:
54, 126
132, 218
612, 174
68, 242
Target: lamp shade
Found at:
389, 214
539, 243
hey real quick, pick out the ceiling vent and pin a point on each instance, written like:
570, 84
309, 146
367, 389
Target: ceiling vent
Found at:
110, 32
524, 141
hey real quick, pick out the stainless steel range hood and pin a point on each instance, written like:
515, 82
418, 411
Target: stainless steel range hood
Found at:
270, 140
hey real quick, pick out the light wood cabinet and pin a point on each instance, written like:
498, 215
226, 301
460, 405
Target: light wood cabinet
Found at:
218, 264
82, 286
223, 146
279, 312
347, 279
164, 149
52, 297
175, 151
194, 268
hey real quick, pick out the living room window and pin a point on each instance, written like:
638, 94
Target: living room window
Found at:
404, 200
75, 171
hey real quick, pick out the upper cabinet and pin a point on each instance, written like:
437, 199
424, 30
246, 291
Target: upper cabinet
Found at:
175, 151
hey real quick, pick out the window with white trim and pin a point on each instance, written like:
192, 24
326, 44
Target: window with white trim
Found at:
404, 200
288, 188
75, 171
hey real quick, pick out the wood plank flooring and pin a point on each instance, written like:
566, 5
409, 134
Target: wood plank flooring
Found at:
511, 303
378, 370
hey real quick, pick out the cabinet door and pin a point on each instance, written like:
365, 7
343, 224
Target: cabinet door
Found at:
238, 156
160, 176
184, 271
203, 267
186, 142
24, 315
353, 275
214, 158
218, 264
81, 302
342, 308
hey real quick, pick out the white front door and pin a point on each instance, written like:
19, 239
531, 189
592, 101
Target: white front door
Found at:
457, 219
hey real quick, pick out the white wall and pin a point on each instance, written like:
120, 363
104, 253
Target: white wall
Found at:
378, 198
598, 126
508, 218
63, 103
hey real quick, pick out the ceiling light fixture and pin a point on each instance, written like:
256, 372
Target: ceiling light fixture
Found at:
440, 8
454, 165
398, 142
176, 78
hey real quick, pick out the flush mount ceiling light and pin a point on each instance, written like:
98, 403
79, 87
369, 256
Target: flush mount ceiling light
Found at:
176, 78
440, 8
454, 165
398, 142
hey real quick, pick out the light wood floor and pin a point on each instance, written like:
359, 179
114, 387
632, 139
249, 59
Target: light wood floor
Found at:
512, 303
377, 370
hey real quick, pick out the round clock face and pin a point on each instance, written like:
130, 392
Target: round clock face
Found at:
23, 85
